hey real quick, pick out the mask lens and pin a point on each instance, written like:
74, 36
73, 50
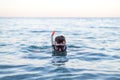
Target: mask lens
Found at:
62, 47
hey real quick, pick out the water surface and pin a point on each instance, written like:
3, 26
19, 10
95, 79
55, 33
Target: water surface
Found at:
93, 49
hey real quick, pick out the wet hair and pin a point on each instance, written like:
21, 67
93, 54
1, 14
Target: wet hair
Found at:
60, 39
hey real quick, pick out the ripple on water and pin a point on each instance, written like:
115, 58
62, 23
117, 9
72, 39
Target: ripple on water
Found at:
36, 52
10, 66
89, 56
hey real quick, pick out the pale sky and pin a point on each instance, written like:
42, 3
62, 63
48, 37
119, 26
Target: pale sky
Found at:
59, 8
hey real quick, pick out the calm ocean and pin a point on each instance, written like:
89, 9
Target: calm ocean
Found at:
93, 49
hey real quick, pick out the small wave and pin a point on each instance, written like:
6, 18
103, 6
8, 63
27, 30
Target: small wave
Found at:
115, 49
105, 27
2, 44
35, 49
10, 66
88, 56
74, 46
39, 31
116, 57
36, 52
43, 31
29, 69
18, 76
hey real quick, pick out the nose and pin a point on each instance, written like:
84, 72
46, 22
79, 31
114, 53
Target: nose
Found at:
60, 49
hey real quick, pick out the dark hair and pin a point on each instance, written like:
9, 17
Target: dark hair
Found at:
60, 39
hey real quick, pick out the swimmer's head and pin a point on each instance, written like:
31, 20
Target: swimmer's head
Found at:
60, 40
60, 43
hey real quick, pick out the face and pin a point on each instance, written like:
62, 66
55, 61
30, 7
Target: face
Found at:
60, 46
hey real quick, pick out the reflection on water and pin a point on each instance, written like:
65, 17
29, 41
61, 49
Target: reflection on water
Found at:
59, 60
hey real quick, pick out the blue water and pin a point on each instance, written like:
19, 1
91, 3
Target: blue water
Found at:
93, 49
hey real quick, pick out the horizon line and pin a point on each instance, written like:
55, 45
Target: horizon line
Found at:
59, 17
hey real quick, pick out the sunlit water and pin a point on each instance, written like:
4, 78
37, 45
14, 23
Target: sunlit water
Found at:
93, 49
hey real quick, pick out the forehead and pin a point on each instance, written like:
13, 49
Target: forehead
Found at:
59, 38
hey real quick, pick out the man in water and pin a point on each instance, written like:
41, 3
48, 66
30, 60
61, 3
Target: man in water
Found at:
59, 46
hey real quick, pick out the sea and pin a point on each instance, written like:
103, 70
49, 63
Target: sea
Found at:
93, 48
